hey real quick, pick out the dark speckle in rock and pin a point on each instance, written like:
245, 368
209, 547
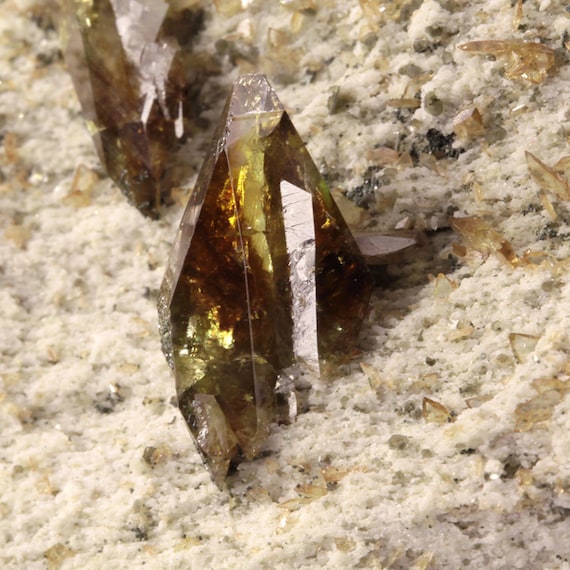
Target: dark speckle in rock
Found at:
440, 145
106, 402
364, 195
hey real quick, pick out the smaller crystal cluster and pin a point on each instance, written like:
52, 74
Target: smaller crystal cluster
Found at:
138, 80
265, 281
528, 61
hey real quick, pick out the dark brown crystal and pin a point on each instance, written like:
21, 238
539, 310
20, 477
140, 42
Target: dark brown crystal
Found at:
265, 280
138, 82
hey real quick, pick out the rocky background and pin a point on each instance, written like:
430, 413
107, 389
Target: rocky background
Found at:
445, 444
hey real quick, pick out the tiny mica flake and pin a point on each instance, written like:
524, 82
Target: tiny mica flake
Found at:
523, 345
435, 412
480, 236
547, 178
468, 124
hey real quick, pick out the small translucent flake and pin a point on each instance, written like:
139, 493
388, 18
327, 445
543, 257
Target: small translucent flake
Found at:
18, 234
399, 442
547, 204
154, 456
228, 7
333, 475
523, 345
518, 110
56, 555
563, 166
383, 156
11, 147
382, 247
129, 368
278, 38
84, 180
435, 412
404, 103
423, 562
345, 544
547, 178
462, 329
536, 411
443, 287
478, 191
374, 377
524, 477
298, 20
480, 236
468, 124
187, 543
477, 401
542, 260
293, 505
299, 5
314, 490
562, 490
288, 520
547, 383
518, 15
378, 12
529, 61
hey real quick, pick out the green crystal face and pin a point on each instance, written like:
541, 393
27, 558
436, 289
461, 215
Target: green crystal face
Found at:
137, 80
264, 279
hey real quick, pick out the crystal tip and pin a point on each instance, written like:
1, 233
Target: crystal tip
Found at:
252, 93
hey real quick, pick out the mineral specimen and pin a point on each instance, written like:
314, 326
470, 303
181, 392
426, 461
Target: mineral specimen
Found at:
468, 124
137, 79
547, 178
480, 236
529, 61
265, 280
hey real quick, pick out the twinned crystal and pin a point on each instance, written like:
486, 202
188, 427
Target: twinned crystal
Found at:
138, 81
265, 280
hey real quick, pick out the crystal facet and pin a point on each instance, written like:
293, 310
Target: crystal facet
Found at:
264, 282
137, 80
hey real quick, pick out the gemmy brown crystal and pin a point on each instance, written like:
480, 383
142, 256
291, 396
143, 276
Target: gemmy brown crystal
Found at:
264, 281
138, 81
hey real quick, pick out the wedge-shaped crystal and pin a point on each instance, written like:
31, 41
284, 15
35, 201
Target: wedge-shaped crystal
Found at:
265, 279
138, 80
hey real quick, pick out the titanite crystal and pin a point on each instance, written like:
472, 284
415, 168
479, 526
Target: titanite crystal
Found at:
265, 279
137, 80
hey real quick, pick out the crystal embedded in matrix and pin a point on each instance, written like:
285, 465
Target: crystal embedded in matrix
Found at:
135, 72
264, 281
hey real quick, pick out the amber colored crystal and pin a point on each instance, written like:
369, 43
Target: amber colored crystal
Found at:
529, 61
547, 178
522, 345
138, 80
480, 236
468, 124
265, 280
435, 412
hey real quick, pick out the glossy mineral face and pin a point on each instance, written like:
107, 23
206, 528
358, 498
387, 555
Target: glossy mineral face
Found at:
265, 279
135, 73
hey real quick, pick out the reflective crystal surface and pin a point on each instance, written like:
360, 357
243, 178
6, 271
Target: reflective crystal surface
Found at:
138, 81
265, 280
